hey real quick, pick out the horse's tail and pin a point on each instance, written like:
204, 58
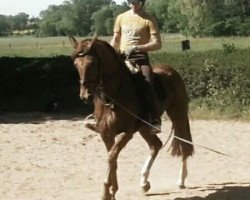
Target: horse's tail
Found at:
182, 130
177, 110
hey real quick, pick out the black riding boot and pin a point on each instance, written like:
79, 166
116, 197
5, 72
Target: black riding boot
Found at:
155, 115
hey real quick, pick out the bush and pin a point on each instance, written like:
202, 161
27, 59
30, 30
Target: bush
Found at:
215, 79
38, 84
228, 48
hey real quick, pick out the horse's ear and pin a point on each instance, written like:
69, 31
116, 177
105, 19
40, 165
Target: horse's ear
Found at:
90, 42
95, 37
73, 41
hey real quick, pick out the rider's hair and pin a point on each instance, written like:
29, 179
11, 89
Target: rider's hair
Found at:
142, 1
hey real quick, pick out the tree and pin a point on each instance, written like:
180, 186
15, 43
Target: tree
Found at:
33, 23
83, 11
102, 20
198, 15
213, 17
67, 24
19, 21
70, 18
4, 25
159, 9
49, 19
190, 17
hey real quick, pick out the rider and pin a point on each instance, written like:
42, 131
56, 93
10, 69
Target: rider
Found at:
136, 33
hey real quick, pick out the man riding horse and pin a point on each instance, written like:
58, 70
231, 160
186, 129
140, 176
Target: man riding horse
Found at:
136, 33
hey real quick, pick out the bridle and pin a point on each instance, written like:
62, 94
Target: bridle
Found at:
103, 96
82, 54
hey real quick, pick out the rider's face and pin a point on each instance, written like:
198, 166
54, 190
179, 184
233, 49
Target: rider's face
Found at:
135, 7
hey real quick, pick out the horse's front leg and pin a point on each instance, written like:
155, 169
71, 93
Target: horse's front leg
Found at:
154, 144
183, 174
110, 183
109, 142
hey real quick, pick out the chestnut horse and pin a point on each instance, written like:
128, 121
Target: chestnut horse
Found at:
106, 81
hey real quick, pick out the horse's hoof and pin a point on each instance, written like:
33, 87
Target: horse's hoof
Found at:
146, 187
182, 186
91, 127
108, 198
112, 198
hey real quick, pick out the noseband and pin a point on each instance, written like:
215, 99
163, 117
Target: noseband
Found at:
81, 54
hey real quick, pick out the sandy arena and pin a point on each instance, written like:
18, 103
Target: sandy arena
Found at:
55, 158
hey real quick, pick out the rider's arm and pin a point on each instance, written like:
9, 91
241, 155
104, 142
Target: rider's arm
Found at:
154, 44
115, 41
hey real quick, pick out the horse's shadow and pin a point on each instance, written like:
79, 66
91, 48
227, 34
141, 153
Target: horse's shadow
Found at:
41, 117
223, 191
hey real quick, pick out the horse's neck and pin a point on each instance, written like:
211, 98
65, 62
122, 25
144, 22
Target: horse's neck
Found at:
118, 84
117, 81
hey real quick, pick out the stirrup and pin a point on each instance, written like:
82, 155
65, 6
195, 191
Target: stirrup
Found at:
155, 130
156, 127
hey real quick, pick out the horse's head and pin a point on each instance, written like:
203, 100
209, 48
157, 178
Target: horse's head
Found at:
85, 63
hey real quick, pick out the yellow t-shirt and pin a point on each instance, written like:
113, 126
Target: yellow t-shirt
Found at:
134, 29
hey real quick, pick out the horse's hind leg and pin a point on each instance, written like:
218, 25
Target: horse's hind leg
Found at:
155, 145
181, 127
182, 174
111, 184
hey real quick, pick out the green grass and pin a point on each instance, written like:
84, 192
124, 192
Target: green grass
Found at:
53, 46
199, 110
34, 47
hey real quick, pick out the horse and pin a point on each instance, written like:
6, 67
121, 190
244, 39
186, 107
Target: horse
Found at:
106, 81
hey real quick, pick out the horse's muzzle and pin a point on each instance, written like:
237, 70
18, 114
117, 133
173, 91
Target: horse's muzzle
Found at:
87, 99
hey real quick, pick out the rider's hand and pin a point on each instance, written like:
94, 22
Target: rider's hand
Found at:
130, 50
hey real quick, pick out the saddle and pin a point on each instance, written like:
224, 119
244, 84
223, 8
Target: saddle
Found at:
133, 67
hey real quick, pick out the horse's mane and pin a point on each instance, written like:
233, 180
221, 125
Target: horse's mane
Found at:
110, 48
106, 51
